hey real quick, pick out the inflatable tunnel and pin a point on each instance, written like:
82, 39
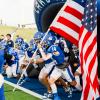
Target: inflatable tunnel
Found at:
45, 11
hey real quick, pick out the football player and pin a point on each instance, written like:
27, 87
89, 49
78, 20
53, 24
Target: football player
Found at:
54, 52
11, 66
49, 64
2, 97
10, 43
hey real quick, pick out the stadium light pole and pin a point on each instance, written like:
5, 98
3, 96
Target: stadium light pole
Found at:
29, 62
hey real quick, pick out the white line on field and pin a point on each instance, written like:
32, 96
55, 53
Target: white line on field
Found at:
25, 90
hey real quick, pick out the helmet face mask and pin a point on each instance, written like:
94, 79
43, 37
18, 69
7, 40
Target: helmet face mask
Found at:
38, 36
37, 41
49, 41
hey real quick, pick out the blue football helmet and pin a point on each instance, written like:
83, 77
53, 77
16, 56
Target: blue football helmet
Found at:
38, 36
24, 46
11, 51
49, 40
31, 50
19, 41
31, 43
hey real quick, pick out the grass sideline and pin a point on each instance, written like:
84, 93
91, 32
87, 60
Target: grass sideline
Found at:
26, 33
17, 95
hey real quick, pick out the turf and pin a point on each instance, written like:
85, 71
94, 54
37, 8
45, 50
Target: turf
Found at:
17, 95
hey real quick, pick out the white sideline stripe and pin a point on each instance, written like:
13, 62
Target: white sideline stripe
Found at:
25, 90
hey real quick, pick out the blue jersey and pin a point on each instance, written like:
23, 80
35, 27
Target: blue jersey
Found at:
31, 50
21, 53
10, 43
2, 47
2, 97
1, 61
19, 40
57, 54
3, 44
31, 43
24, 46
15, 54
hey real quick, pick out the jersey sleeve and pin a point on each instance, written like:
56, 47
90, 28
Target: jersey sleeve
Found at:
52, 50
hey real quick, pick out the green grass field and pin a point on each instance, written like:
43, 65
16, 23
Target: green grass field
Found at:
17, 95
26, 33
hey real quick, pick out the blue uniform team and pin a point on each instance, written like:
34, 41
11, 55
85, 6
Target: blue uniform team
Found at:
56, 67
54, 52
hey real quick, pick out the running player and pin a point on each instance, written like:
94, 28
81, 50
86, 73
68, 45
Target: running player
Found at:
2, 97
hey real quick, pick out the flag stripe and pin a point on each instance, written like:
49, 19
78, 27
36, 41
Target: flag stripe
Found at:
67, 30
91, 92
88, 42
87, 72
83, 39
71, 18
75, 5
90, 61
95, 85
88, 76
90, 48
68, 23
74, 12
66, 36
87, 88
95, 81
91, 64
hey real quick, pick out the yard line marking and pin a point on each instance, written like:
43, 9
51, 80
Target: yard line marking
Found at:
25, 90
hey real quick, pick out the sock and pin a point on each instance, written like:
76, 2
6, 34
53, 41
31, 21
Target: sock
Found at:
54, 88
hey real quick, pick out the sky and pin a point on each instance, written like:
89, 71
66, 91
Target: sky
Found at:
14, 12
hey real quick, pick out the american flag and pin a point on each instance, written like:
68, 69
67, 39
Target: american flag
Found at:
69, 24
68, 21
88, 51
